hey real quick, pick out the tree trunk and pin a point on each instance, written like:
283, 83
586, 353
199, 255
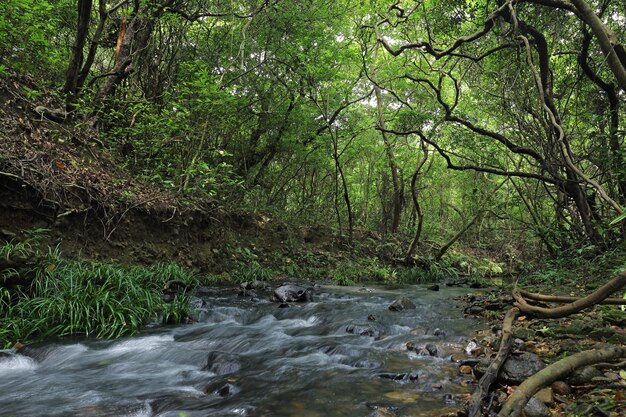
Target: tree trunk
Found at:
416, 204
397, 196
134, 40
76, 56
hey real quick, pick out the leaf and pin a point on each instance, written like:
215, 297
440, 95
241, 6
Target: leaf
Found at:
622, 374
618, 219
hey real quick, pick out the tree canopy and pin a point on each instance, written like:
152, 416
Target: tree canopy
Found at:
497, 122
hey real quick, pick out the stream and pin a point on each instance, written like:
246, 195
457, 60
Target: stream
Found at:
246, 358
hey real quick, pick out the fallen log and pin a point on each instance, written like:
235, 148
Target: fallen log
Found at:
558, 370
475, 404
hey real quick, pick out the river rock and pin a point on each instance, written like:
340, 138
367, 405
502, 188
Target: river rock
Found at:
363, 330
255, 285
402, 303
584, 375
292, 293
535, 408
400, 376
519, 367
198, 309
429, 349
439, 333
222, 363
221, 389
516, 369
367, 364
382, 412
561, 388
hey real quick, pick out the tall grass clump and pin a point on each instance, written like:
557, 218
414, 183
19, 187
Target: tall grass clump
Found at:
95, 299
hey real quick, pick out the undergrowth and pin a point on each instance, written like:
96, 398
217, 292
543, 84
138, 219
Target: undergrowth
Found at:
99, 299
584, 266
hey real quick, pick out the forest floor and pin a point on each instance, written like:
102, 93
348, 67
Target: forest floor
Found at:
589, 391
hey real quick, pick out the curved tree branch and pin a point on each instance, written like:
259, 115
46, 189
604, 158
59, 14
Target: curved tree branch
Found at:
558, 370
592, 299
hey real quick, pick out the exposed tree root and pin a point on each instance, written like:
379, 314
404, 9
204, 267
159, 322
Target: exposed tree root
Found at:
516, 403
592, 299
474, 407
558, 370
566, 299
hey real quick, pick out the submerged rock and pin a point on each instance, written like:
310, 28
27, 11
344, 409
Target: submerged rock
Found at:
221, 389
402, 303
400, 377
363, 330
222, 363
382, 412
292, 293
429, 349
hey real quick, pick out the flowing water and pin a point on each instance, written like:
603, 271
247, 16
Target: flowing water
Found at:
248, 358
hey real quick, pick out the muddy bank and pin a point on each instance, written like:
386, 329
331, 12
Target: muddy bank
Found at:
208, 239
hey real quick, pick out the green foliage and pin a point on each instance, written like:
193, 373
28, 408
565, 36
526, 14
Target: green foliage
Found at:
363, 270
422, 276
97, 299
31, 35
252, 271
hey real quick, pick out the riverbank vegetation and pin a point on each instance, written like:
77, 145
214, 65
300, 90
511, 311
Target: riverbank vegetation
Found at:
50, 296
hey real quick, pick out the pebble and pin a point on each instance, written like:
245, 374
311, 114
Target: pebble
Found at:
464, 369
561, 388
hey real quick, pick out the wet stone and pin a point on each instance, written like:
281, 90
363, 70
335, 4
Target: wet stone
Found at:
292, 293
363, 330
465, 369
367, 364
434, 287
222, 363
429, 350
400, 377
418, 331
402, 303
474, 310
383, 412
440, 333
221, 389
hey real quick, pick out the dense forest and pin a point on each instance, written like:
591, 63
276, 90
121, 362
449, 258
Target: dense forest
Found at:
424, 117
402, 141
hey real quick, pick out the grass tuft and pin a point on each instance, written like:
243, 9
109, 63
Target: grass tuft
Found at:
96, 299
